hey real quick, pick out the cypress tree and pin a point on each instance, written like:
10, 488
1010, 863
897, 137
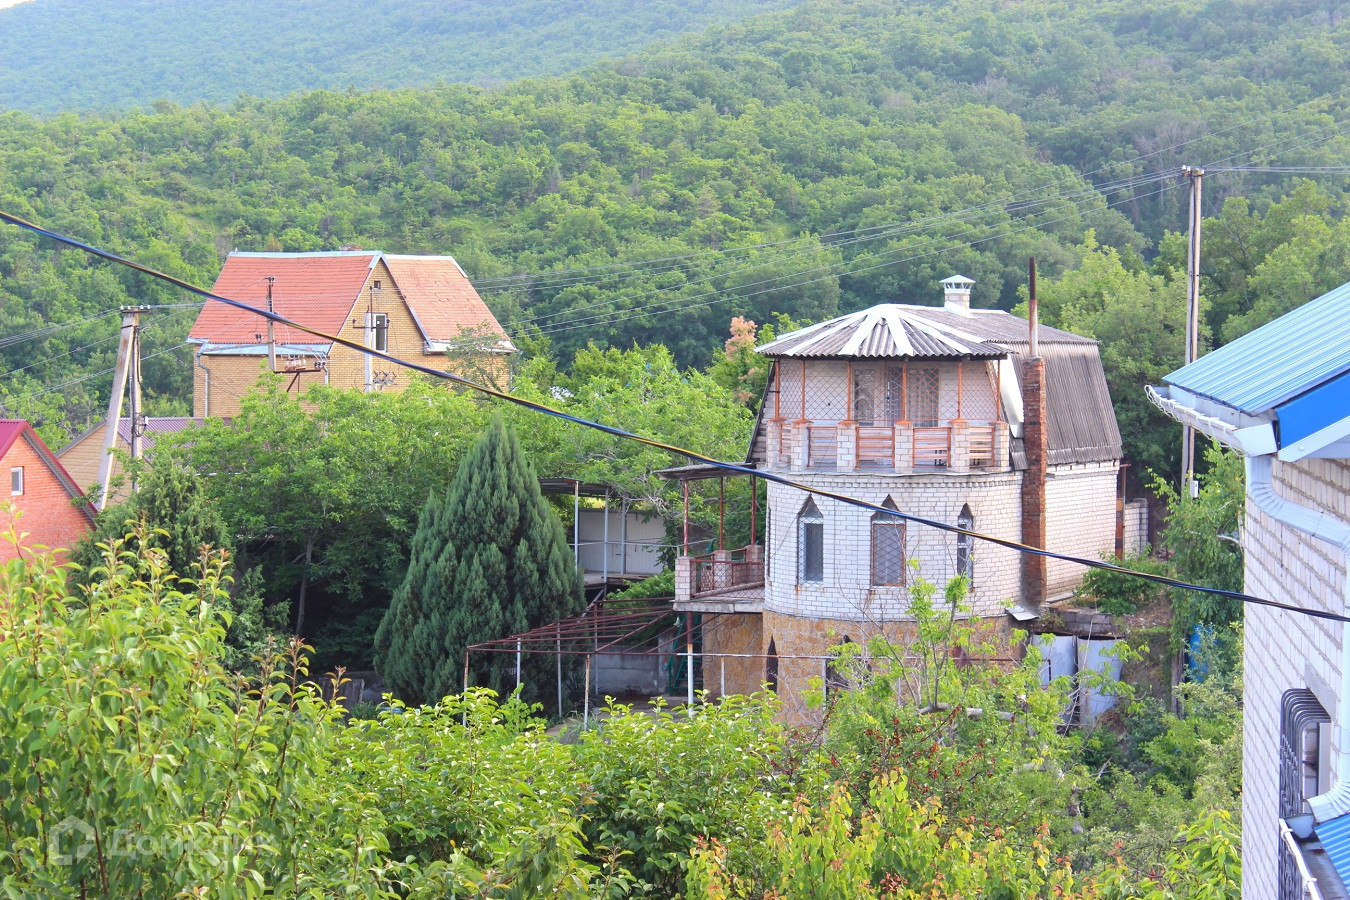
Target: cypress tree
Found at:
489, 559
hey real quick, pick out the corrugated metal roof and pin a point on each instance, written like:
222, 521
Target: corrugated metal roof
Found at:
894, 330
1282, 359
1081, 421
1335, 838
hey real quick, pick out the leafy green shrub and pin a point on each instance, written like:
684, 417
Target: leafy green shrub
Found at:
660, 585
132, 764
1117, 593
659, 783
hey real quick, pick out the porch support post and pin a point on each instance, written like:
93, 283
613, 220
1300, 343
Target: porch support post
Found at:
576, 523
958, 390
517, 664
604, 565
685, 484
559, 658
721, 512
586, 703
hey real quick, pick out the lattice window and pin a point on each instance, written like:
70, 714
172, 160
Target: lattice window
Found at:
895, 393
924, 389
810, 544
888, 547
869, 404
790, 389
978, 400
826, 391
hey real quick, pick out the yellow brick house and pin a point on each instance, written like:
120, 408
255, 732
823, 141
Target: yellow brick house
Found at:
419, 308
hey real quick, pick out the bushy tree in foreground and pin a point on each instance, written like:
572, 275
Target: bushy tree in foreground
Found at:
489, 559
173, 514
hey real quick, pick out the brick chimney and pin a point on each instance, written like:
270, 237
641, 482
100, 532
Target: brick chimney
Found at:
956, 294
1036, 441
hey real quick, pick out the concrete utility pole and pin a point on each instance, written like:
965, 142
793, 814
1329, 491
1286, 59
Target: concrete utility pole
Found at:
271, 336
1197, 177
128, 362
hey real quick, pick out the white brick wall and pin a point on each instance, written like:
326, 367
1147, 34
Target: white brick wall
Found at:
847, 593
1080, 519
1283, 650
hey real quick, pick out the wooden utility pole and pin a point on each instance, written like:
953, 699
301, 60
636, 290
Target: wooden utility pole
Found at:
128, 363
1197, 177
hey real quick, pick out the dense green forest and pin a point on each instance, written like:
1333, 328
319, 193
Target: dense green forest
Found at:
58, 55
825, 158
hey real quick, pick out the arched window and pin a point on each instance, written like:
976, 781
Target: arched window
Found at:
771, 667
965, 545
888, 547
810, 543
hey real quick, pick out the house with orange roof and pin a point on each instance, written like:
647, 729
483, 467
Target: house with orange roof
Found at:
419, 308
43, 510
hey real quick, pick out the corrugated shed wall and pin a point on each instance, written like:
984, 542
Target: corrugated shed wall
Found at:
1082, 423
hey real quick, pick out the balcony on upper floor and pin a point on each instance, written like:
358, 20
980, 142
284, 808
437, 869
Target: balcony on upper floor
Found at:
896, 416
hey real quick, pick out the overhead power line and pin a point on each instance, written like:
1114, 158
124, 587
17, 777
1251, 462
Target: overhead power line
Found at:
731, 468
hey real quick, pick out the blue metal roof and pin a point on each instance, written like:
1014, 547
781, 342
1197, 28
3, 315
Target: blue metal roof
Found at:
1335, 838
1282, 359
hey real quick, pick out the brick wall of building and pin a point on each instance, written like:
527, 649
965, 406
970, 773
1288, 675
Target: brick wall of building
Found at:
231, 377
846, 592
45, 511
1283, 650
1080, 519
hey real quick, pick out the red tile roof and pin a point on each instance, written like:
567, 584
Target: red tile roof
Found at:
320, 290
315, 289
441, 298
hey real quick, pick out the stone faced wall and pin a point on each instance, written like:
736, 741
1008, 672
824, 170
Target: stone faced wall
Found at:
732, 633
1283, 650
846, 593
1080, 519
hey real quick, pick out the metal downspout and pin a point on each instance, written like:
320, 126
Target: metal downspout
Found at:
1335, 802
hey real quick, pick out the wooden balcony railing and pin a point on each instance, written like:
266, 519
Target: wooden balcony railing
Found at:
714, 576
981, 446
876, 446
932, 448
823, 446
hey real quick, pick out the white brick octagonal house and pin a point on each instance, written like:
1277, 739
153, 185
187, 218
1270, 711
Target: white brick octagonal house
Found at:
936, 411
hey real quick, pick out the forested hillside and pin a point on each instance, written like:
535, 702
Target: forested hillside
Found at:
58, 55
836, 155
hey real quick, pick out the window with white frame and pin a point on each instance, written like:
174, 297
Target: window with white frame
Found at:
810, 543
16, 481
888, 547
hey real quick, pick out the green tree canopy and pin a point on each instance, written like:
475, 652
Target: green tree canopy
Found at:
489, 559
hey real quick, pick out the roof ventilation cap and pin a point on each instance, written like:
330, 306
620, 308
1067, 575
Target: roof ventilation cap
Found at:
956, 294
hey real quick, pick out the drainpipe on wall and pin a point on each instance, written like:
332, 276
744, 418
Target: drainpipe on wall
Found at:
1335, 802
206, 384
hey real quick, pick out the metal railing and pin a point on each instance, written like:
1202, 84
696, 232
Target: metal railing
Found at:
1309, 883
713, 576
